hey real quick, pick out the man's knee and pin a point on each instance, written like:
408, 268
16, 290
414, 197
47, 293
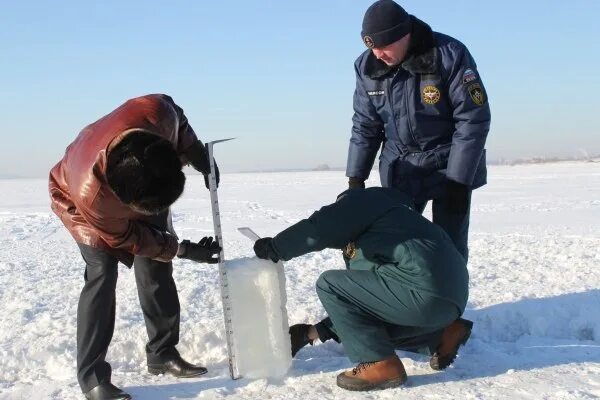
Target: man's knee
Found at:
152, 273
327, 281
101, 267
323, 280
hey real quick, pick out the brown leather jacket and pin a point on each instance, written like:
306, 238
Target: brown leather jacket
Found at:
84, 202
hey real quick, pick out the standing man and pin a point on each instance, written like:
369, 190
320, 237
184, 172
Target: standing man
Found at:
112, 190
405, 285
419, 96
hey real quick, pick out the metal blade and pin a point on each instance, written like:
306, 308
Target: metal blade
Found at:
249, 233
220, 140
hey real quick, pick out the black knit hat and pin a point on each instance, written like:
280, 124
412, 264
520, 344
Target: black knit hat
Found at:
385, 22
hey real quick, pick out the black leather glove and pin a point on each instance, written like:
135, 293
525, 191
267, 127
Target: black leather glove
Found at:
197, 155
356, 183
206, 181
263, 248
457, 198
205, 251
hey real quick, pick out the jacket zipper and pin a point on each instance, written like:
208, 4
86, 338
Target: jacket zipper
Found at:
389, 94
410, 130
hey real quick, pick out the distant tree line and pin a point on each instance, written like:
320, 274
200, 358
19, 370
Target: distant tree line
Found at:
545, 159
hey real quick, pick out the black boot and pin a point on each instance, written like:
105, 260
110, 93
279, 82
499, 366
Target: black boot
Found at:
175, 365
107, 391
299, 337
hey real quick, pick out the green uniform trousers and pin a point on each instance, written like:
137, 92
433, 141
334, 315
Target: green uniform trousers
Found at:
373, 314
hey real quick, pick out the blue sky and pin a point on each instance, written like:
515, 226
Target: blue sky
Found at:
278, 74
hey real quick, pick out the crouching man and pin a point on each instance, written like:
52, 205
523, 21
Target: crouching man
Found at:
405, 285
112, 190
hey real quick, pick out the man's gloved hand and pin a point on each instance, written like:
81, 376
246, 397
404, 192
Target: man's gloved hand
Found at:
205, 251
356, 183
206, 181
457, 197
263, 248
197, 155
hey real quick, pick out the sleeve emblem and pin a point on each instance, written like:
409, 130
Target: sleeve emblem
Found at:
469, 76
477, 94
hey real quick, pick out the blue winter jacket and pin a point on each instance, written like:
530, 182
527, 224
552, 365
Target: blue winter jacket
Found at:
430, 115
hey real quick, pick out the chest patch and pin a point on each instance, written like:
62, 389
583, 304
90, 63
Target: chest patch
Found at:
430, 94
376, 93
350, 250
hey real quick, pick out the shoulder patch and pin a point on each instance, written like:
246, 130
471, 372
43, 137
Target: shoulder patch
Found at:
469, 76
477, 94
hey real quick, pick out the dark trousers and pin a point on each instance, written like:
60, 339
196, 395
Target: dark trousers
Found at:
372, 314
455, 225
96, 312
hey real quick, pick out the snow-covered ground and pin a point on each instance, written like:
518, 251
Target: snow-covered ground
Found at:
535, 293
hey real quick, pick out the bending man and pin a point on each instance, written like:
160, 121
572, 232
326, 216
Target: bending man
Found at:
112, 190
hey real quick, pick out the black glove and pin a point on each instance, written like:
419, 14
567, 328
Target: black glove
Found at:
205, 251
197, 155
356, 183
457, 198
263, 248
206, 181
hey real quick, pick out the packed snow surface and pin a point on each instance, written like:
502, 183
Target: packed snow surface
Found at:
534, 293
261, 340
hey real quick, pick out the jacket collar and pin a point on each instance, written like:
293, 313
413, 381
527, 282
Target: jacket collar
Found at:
422, 59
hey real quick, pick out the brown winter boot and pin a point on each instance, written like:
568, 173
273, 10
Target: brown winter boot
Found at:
384, 374
455, 335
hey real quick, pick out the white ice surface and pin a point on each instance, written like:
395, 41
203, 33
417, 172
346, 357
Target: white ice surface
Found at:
534, 293
259, 317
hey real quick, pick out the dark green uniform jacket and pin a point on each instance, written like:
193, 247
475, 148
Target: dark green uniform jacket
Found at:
383, 229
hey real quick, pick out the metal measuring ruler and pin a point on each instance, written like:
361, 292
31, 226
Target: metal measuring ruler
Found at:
214, 202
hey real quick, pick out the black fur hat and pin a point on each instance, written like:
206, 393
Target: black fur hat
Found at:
145, 172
